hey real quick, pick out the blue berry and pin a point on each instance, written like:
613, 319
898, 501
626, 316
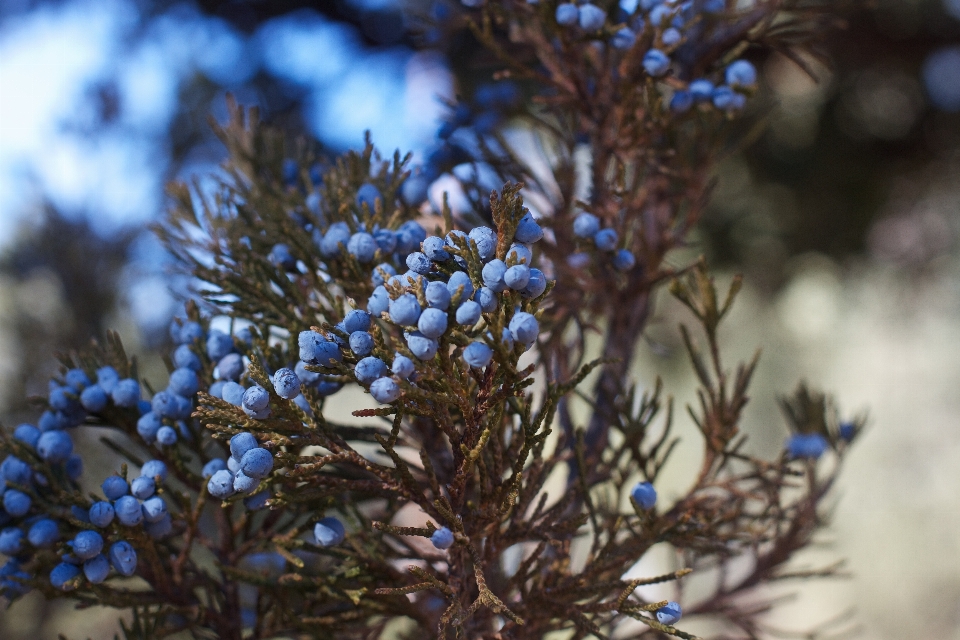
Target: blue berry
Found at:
362, 246
166, 436
524, 328
591, 17
16, 470
62, 574
154, 468
422, 347
77, 379
148, 425
725, 98
741, 74
437, 295
87, 544
623, 38
405, 310
142, 487
517, 277
154, 509
414, 190
54, 446
114, 487
606, 239
11, 541
9, 585
807, 445
51, 421
338, 234
281, 257
460, 279
493, 273
419, 263
74, 466
442, 538
367, 195
536, 284
241, 443
219, 344
94, 399
847, 431
123, 557
101, 514
43, 533
467, 314
217, 464
369, 369
356, 320
286, 383
623, 260
681, 102
230, 367
433, 248
701, 90
28, 434
403, 366
257, 500
486, 241
255, 399
128, 511
256, 463
477, 354
381, 272
656, 63
385, 390
386, 240
660, 14
96, 569
671, 37
519, 253
184, 382
669, 614
164, 404
487, 299
361, 343
644, 495
433, 322
107, 378
126, 393
409, 236
586, 225
528, 230
242, 483
329, 532
220, 485
63, 399
189, 332
567, 14
16, 503
160, 528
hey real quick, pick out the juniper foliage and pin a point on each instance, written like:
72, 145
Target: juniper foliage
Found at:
485, 489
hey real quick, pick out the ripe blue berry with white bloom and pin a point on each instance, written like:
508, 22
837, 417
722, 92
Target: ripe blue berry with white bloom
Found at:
644, 495
87, 544
660, 14
126, 393
362, 246
409, 236
606, 240
148, 425
385, 390
669, 614
361, 343
63, 399
96, 569
567, 14
11, 541
230, 367
468, 313
154, 509
220, 484
128, 511
219, 344
256, 463
405, 310
241, 443
586, 225
528, 230
486, 241
166, 436
255, 399
107, 378
434, 248
423, 348
724, 98
437, 295
386, 240
460, 279
123, 557
487, 299
329, 532
154, 468
212, 467
517, 277
381, 272
77, 379
187, 333
338, 234
671, 37
524, 328
623, 38
114, 487
536, 285
242, 483
142, 487
94, 399
16, 470
369, 369
315, 349
591, 17
43, 533
54, 446
367, 195
184, 382
656, 63
28, 434
741, 73
403, 366
623, 260
477, 355
101, 514
356, 320
419, 263
519, 253
681, 102
286, 383
281, 257
442, 538
62, 574
257, 500
164, 404
433, 322
492, 275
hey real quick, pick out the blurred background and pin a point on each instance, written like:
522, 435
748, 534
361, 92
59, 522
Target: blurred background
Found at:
843, 215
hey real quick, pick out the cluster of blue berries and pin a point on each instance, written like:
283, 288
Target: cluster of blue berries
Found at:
586, 226
248, 463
